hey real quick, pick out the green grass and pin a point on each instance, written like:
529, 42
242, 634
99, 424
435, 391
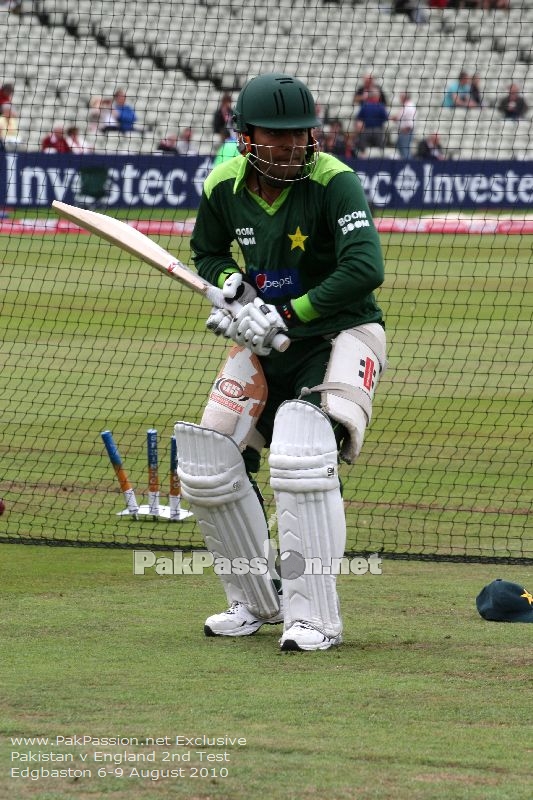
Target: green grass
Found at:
423, 701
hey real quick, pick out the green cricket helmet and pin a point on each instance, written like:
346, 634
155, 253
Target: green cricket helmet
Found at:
275, 101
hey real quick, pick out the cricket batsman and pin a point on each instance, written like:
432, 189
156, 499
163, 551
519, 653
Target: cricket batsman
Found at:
311, 260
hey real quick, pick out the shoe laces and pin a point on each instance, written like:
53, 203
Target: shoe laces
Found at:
309, 627
306, 625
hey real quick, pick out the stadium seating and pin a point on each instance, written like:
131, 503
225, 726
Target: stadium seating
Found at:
175, 59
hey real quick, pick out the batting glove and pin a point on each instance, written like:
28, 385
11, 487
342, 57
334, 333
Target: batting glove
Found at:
255, 326
233, 288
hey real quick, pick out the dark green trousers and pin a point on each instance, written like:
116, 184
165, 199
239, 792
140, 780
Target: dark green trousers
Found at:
303, 364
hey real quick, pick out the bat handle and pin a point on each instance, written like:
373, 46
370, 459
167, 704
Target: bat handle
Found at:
280, 342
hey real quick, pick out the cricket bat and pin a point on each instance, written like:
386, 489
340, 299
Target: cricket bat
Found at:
137, 244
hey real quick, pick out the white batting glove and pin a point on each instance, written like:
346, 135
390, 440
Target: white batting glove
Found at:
236, 288
255, 326
233, 288
219, 321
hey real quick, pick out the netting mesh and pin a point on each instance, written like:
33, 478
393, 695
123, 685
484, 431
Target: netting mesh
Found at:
92, 339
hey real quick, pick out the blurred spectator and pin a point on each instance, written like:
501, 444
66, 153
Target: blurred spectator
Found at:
107, 116
55, 142
430, 148
370, 123
15, 6
458, 93
9, 127
369, 84
513, 105
335, 141
168, 145
75, 141
222, 118
124, 113
321, 113
406, 125
476, 95
173, 144
94, 114
185, 145
416, 10
7, 90
229, 149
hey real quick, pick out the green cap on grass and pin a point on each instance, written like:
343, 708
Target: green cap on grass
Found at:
503, 601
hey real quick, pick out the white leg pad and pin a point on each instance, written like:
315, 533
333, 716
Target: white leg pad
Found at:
216, 486
311, 522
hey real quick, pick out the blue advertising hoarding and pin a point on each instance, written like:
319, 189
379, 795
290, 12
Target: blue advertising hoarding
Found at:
29, 180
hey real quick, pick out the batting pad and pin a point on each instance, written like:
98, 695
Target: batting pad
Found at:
310, 511
214, 481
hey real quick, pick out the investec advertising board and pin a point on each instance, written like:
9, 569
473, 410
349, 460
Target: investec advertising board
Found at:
30, 180
36, 179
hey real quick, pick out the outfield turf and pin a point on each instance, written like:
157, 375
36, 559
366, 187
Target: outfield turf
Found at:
423, 701
92, 339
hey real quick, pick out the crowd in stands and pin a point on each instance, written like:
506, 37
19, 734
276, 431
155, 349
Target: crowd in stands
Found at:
112, 114
182, 144
372, 119
374, 126
65, 140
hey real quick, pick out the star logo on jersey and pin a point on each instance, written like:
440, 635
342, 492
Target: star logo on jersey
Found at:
527, 596
297, 239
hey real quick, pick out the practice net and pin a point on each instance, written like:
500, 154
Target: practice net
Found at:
94, 340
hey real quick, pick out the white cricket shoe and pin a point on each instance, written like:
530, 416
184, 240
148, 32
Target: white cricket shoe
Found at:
304, 636
238, 620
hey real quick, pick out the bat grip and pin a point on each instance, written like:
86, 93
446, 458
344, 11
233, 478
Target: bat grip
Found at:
280, 342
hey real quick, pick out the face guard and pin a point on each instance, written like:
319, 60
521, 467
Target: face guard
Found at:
298, 165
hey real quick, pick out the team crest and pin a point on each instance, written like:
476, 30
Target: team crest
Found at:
298, 239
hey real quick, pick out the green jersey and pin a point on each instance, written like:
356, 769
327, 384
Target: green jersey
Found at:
316, 246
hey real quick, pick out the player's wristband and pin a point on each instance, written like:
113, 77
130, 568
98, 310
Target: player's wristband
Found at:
225, 274
288, 314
